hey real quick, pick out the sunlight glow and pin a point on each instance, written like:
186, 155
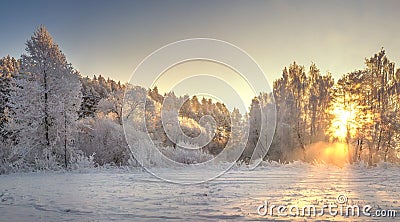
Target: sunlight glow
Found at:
336, 154
332, 153
341, 124
343, 120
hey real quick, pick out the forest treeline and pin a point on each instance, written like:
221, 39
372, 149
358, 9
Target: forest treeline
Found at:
360, 110
52, 117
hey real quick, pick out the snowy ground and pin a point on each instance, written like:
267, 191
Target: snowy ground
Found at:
135, 195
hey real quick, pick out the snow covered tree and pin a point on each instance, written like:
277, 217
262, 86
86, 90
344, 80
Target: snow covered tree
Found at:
44, 102
371, 97
96, 89
9, 67
302, 101
69, 101
112, 105
238, 128
90, 98
254, 129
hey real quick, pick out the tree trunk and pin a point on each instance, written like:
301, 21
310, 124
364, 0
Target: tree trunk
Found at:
388, 147
46, 114
65, 139
370, 155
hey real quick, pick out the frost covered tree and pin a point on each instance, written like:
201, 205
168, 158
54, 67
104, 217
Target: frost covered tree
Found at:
254, 129
96, 89
370, 97
112, 105
302, 100
239, 130
44, 101
9, 67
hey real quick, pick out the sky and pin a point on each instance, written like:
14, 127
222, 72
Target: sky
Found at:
111, 38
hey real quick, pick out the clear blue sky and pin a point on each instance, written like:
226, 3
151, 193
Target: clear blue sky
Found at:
112, 37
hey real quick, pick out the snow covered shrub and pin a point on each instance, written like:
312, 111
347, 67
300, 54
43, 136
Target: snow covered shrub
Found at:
184, 154
48, 162
105, 139
149, 151
82, 161
142, 148
5, 165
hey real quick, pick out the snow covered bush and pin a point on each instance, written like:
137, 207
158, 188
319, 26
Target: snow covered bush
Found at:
177, 130
104, 138
142, 148
83, 162
182, 154
149, 153
5, 165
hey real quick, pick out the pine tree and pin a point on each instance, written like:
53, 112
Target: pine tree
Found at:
44, 100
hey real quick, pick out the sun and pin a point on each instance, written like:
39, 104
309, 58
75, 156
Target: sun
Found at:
341, 124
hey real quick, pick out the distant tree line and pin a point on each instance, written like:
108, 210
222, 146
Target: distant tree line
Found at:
53, 117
